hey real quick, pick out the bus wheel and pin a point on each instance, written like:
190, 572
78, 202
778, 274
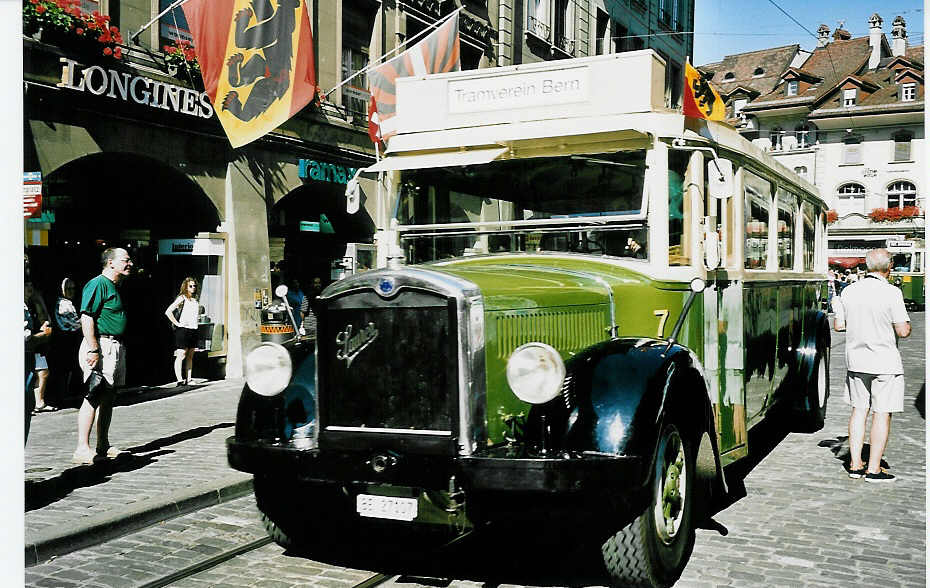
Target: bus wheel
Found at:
292, 516
815, 398
654, 548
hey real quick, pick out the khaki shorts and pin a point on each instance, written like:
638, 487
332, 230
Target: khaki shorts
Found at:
880, 392
112, 361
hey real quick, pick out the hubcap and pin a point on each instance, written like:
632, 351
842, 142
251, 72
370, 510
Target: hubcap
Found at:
670, 487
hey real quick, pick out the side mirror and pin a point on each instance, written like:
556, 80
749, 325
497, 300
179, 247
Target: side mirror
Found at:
720, 178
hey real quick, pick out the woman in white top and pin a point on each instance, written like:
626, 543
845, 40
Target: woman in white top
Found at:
188, 311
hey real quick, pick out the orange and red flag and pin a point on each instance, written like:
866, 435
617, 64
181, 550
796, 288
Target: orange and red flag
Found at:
256, 59
700, 100
437, 53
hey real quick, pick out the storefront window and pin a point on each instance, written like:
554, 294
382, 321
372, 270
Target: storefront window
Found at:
757, 203
787, 207
808, 235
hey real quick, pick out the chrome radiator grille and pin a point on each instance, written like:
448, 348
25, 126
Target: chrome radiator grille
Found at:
388, 364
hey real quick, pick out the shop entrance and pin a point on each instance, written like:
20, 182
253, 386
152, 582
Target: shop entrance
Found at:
298, 224
133, 202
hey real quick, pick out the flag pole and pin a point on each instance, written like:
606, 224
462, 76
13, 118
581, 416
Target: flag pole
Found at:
435, 25
135, 36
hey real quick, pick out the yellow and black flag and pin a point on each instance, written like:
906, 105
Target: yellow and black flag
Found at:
437, 53
700, 100
256, 58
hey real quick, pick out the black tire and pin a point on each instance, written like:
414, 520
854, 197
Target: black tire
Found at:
813, 411
654, 548
296, 516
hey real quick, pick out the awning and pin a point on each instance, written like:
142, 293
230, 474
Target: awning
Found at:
443, 159
846, 262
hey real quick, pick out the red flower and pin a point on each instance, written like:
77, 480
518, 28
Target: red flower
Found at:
79, 31
118, 53
107, 51
832, 216
40, 8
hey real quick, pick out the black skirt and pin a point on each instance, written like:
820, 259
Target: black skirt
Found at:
185, 338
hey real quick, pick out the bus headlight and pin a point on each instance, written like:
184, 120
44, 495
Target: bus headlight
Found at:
268, 369
535, 372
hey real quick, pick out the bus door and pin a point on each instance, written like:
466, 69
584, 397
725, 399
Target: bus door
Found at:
723, 322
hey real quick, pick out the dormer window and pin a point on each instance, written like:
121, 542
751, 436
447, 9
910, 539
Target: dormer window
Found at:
849, 98
729, 76
908, 92
792, 88
758, 72
738, 106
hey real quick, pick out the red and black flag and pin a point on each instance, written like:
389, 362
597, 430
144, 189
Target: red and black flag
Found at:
700, 100
437, 53
257, 62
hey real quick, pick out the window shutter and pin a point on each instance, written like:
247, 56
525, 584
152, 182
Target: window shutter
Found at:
853, 154
902, 150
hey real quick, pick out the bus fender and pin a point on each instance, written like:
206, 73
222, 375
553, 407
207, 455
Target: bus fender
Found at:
617, 396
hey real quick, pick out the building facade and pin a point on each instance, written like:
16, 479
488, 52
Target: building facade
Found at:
848, 117
127, 151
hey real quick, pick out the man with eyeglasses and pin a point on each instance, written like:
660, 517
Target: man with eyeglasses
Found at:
103, 322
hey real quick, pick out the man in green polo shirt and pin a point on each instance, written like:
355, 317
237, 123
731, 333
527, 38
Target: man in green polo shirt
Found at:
103, 322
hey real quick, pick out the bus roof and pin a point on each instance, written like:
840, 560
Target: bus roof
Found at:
585, 105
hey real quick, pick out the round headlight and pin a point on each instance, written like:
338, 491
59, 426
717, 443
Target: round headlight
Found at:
268, 369
535, 372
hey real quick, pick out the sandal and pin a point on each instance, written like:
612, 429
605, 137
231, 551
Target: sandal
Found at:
44, 408
85, 458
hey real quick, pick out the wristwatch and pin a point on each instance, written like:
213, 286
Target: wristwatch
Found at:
97, 351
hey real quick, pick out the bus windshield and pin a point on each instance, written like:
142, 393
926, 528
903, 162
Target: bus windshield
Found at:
578, 203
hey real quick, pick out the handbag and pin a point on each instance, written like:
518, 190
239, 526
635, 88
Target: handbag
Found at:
94, 380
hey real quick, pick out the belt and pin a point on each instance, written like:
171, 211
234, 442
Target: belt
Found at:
117, 338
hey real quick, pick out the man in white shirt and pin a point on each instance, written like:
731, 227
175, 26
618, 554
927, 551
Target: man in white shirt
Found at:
872, 313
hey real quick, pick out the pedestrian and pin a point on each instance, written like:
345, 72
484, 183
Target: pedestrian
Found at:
33, 336
64, 346
184, 314
298, 302
316, 287
102, 355
872, 313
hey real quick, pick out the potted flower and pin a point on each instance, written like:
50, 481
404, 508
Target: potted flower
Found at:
63, 23
181, 57
832, 216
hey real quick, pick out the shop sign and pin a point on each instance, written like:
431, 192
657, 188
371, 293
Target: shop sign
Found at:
324, 172
901, 244
47, 216
122, 85
321, 226
32, 193
191, 247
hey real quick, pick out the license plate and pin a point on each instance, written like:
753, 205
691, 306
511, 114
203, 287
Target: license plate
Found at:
386, 507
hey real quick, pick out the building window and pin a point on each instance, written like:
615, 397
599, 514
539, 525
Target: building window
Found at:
775, 136
849, 98
564, 26
852, 151
850, 198
902, 146
908, 92
792, 88
728, 76
738, 106
804, 136
673, 83
801, 170
603, 45
172, 27
665, 12
901, 194
537, 21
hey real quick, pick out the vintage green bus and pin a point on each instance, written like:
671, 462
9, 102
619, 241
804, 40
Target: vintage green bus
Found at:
584, 302
908, 272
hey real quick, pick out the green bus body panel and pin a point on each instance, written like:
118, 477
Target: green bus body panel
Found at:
912, 286
562, 302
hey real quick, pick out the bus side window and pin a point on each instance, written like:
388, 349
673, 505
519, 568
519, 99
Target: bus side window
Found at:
787, 205
679, 205
756, 207
809, 236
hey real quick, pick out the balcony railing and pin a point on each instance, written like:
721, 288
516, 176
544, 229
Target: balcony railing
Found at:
537, 27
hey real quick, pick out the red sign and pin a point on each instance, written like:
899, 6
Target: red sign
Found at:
32, 193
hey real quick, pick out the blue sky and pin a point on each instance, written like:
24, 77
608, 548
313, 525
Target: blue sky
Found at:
725, 27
